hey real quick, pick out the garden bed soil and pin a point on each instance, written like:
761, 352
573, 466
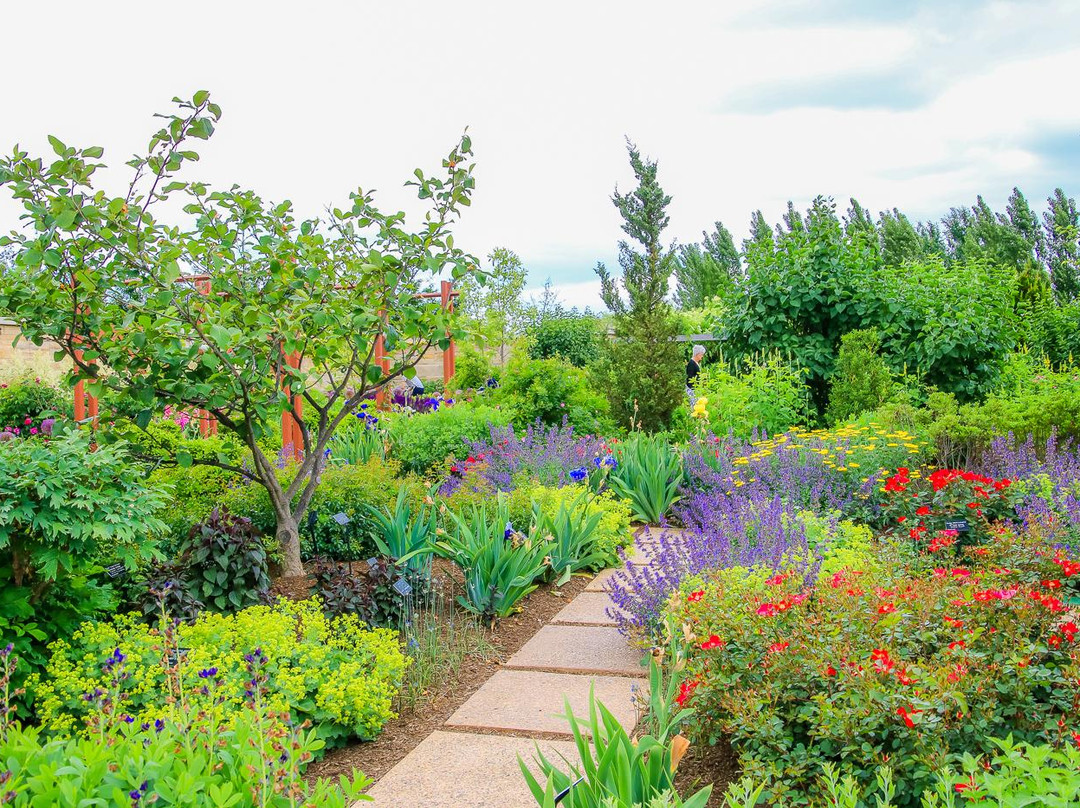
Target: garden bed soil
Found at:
400, 736
708, 764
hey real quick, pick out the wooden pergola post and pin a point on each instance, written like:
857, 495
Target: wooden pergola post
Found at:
449, 355
292, 439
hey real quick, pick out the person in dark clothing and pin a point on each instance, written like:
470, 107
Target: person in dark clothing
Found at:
693, 367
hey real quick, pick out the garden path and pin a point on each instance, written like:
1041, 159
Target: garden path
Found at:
471, 761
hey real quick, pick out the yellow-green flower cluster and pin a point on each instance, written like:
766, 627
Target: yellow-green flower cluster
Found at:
334, 671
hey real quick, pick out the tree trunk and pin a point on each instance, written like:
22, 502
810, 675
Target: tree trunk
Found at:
288, 536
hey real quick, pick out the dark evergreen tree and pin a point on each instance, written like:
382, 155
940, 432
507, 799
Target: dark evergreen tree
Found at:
644, 372
1061, 246
704, 271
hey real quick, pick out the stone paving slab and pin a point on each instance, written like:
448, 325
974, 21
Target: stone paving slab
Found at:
450, 769
588, 608
525, 702
599, 583
579, 649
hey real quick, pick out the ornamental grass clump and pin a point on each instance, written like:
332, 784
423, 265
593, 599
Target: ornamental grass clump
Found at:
334, 672
647, 474
911, 662
501, 565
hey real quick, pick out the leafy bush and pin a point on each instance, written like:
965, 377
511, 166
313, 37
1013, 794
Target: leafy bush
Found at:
612, 530
29, 397
472, 370
334, 672
764, 395
1046, 403
193, 493
225, 561
573, 338
648, 475
501, 566
948, 509
186, 757
421, 443
861, 380
369, 591
343, 489
552, 392
65, 513
916, 662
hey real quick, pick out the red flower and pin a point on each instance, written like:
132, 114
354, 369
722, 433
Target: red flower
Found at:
776, 579
768, 609
901, 519
712, 642
694, 597
957, 644
886, 608
904, 678
1055, 584
1055, 641
686, 690
1069, 629
906, 715
830, 670
923, 511
960, 572
778, 647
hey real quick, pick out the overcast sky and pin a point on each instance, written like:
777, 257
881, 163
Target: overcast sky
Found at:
920, 105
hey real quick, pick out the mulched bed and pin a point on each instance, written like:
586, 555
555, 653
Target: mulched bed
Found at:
707, 764
401, 735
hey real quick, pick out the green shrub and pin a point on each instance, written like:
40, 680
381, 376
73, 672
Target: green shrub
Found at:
225, 562
1048, 402
190, 759
861, 380
422, 442
573, 533
65, 513
765, 394
28, 396
551, 391
914, 659
573, 338
648, 475
336, 673
472, 369
193, 492
347, 489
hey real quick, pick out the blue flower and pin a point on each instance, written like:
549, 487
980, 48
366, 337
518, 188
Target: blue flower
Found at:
509, 531
208, 673
577, 475
159, 725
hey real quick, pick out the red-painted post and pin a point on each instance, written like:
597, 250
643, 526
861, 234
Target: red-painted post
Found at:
292, 439
449, 355
383, 361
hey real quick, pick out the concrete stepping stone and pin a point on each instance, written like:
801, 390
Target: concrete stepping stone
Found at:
588, 609
599, 583
449, 769
579, 649
524, 702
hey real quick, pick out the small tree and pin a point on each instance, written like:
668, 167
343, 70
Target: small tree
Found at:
115, 287
862, 380
494, 302
644, 372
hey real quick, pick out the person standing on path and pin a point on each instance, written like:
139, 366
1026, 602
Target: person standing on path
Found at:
693, 367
